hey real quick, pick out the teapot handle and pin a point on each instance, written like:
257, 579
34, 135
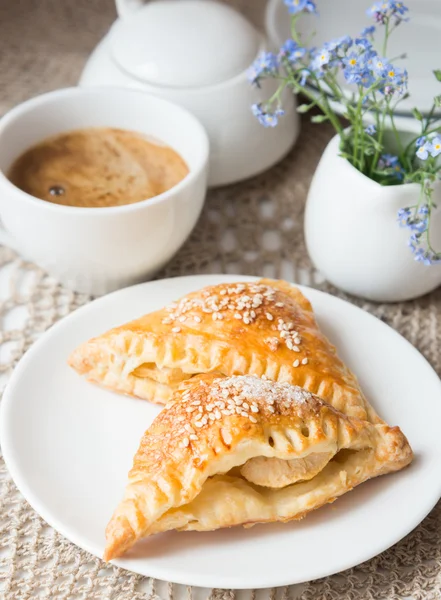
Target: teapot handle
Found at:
125, 8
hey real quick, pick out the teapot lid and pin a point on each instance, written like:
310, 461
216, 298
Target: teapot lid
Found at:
184, 43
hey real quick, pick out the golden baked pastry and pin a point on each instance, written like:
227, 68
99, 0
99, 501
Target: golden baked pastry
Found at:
265, 328
197, 464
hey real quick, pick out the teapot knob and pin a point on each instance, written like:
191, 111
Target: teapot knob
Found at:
126, 7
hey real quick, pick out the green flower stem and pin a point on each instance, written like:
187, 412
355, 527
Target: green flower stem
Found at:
335, 86
404, 159
278, 92
380, 142
386, 36
323, 104
429, 118
294, 34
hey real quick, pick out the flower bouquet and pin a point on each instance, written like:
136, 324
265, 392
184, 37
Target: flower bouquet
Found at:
379, 85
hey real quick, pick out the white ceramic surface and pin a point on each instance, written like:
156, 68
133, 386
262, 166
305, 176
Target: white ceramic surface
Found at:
97, 250
69, 444
183, 44
418, 38
353, 237
213, 86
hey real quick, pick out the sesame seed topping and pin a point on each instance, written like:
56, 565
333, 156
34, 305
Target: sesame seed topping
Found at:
185, 442
305, 361
252, 419
176, 329
269, 316
197, 319
296, 363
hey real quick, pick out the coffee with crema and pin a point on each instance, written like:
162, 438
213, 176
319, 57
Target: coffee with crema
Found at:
98, 167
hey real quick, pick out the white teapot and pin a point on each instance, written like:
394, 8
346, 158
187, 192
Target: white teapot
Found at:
196, 53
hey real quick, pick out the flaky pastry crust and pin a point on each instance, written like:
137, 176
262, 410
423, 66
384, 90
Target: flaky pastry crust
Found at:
265, 328
192, 467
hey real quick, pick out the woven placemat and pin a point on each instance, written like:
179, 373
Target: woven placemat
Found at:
252, 228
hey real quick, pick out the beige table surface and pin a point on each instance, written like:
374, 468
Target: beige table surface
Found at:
251, 228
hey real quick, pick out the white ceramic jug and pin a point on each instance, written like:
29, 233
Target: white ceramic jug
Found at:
197, 53
353, 237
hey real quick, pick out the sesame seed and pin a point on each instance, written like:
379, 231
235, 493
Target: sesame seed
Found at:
182, 318
296, 363
280, 304
185, 442
196, 403
246, 320
297, 340
176, 329
193, 437
237, 316
269, 316
254, 408
197, 319
198, 424
244, 413
190, 409
305, 361
295, 349
252, 419
271, 409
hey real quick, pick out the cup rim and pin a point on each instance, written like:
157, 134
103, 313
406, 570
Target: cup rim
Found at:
17, 111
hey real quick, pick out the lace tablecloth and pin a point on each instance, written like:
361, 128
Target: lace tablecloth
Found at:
252, 228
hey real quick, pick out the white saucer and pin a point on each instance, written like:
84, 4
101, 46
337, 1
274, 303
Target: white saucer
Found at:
418, 38
69, 445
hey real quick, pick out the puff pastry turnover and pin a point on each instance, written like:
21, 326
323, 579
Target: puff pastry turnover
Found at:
265, 328
224, 451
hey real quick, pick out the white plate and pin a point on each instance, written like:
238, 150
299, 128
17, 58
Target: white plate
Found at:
69, 445
418, 38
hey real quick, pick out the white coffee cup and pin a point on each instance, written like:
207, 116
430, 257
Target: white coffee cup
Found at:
97, 250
